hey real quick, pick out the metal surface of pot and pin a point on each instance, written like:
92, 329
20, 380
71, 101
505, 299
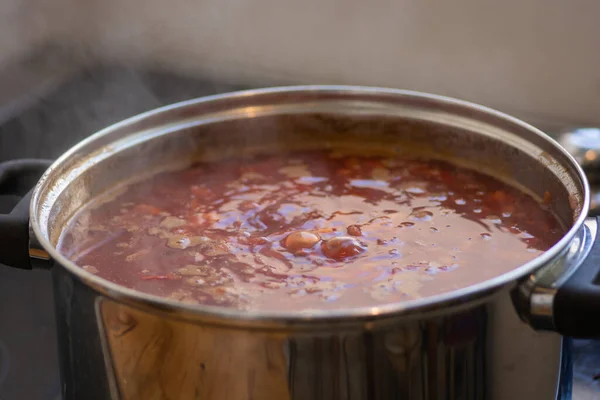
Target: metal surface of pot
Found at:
471, 343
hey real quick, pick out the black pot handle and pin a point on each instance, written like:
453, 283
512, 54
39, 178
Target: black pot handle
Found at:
576, 306
17, 179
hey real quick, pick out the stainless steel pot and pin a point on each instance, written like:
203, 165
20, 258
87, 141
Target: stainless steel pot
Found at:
472, 343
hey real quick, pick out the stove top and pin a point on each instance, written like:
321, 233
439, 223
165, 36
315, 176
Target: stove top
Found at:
64, 108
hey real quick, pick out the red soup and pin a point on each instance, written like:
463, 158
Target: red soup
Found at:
309, 230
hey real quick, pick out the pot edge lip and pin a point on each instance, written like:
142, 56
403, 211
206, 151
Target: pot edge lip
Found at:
469, 293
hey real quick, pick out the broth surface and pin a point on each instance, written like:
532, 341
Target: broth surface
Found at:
309, 230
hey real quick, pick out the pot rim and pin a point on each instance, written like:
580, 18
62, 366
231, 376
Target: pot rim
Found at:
228, 315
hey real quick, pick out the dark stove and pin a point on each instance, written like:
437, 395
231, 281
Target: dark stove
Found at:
44, 120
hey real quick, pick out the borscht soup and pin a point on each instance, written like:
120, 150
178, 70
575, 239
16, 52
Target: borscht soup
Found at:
309, 230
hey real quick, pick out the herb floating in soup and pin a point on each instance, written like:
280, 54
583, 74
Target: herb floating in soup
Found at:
309, 230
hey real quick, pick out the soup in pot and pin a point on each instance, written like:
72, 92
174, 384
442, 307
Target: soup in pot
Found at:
309, 230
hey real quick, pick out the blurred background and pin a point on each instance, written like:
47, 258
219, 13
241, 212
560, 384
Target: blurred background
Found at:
69, 68
529, 57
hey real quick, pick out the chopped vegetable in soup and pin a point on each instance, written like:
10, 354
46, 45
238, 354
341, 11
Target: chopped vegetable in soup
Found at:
309, 230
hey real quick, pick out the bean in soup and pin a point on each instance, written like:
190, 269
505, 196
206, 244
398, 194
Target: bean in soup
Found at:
309, 230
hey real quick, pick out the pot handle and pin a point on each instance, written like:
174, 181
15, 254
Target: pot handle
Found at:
17, 179
576, 305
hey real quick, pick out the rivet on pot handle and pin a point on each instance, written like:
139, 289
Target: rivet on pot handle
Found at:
17, 179
576, 305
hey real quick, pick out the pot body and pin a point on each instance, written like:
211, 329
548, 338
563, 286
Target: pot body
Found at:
112, 350
119, 344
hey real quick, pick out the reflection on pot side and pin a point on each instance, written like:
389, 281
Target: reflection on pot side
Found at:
157, 358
